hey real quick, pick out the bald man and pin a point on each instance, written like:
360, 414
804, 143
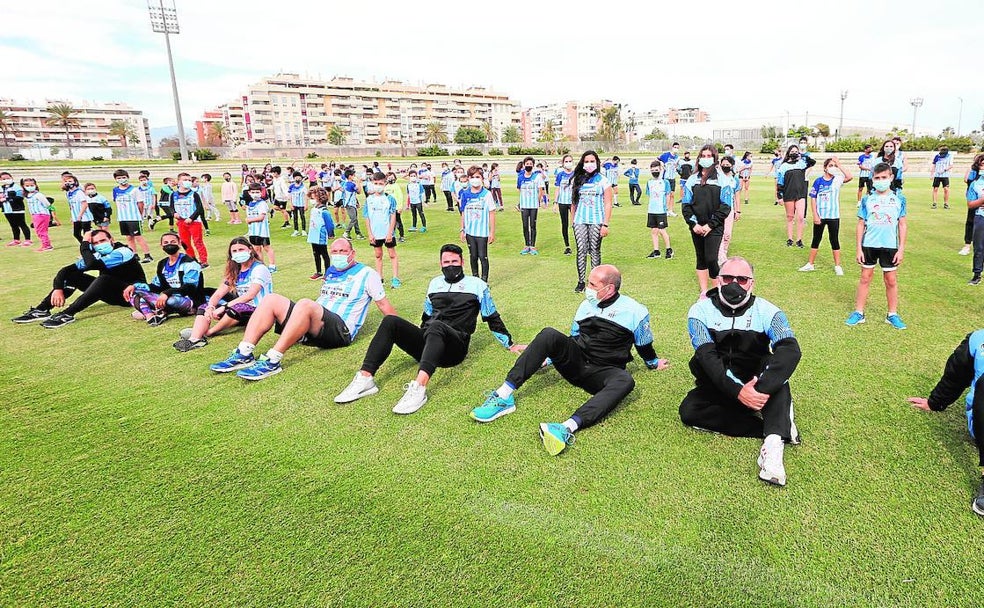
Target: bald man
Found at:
744, 355
593, 357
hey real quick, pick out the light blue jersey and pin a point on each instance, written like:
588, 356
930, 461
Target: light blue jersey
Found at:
415, 193
348, 293
320, 226
976, 191
881, 213
297, 195
256, 274
611, 173
529, 189
379, 210
942, 165
590, 208
827, 195
633, 174
76, 199
350, 196
185, 271
126, 204
865, 163
786, 166
564, 189
670, 163
261, 228
37, 204
657, 189
475, 210
447, 180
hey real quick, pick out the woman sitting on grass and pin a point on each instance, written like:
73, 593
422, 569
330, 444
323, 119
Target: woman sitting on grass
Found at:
245, 276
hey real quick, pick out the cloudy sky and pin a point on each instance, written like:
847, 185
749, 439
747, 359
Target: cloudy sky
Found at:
735, 62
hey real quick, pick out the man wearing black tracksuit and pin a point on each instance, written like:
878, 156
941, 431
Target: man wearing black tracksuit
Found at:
745, 353
118, 268
593, 357
451, 308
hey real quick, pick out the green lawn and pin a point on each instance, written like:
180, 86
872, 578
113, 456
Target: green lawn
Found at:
131, 475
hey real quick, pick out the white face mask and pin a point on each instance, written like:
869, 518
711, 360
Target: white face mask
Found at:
569, 165
590, 167
375, 188
706, 162
475, 182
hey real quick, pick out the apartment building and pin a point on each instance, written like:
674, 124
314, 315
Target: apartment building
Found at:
27, 125
288, 110
571, 121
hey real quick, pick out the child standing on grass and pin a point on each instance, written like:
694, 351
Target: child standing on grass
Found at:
99, 206
147, 197
415, 201
164, 204
297, 195
39, 207
659, 190
321, 228
825, 203
392, 190
258, 224
208, 197
477, 222
230, 196
380, 214
881, 240
350, 200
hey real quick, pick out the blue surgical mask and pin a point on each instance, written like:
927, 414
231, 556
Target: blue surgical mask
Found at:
706, 162
30, 188
881, 185
591, 295
103, 248
186, 184
339, 260
240, 257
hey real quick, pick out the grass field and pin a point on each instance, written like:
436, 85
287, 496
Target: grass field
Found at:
131, 475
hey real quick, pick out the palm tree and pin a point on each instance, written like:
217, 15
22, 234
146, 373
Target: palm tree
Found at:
434, 133
6, 127
63, 115
336, 136
219, 133
123, 130
548, 135
511, 135
490, 135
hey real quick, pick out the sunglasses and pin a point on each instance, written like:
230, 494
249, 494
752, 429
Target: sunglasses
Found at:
730, 278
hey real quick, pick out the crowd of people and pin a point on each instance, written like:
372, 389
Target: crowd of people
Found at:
745, 351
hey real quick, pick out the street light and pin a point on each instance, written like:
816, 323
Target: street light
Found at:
840, 126
916, 102
164, 20
959, 116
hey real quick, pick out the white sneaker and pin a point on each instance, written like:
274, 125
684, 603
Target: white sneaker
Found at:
965, 250
361, 386
295, 233
413, 399
838, 271
771, 469
671, 214
807, 267
185, 333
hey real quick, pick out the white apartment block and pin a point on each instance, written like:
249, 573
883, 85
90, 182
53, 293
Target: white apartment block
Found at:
287, 110
28, 128
571, 121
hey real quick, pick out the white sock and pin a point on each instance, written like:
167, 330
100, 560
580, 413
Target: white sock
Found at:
245, 348
505, 390
571, 425
274, 356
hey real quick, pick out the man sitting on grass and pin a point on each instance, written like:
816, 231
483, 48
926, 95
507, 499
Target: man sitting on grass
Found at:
331, 321
118, 268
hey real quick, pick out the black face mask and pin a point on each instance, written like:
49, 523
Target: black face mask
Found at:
170, 248
453, 274
726, 168
733, 295
528, 169
794, 156
69, 186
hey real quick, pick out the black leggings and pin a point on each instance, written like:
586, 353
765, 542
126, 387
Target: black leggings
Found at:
320, 254
565, 214
165, 211
497, 196
635, 194
80, 228
833, 230
478, 251
707, 249
399, 223
298, 212
450, 199
608, 384
70, 279
969, 227
529, 226
430, 191
437, 345
706, 408
18, 224
415, 209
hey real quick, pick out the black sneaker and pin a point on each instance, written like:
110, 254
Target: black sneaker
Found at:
183, 346
286, 225
976, 280
146, 259
978, 504
567, 251
204, 266
32, 315
151, 224
669, 253
934, 206
59, 320
799, 244
655, 254
579, 288
946, 205
158, 319
789, 242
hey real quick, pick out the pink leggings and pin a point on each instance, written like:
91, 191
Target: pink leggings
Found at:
41, 223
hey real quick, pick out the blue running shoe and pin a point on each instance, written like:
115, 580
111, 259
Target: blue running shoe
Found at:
234, 362
533, 251
895, 321
494, 407
525, 251
263, 368
555, 437
423, 228
856, 318
395, 283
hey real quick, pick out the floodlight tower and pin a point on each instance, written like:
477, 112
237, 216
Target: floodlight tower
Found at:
840, 126
164, 20
916, 102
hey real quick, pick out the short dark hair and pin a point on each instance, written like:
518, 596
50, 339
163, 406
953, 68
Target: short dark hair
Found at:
881, 168
255, 186
144, 173
64, 173
275, 169
349, 173
101, 231
452, 248
297, 174
676, 143
171, 233
616, 158
207, 176
120, 173
378, 175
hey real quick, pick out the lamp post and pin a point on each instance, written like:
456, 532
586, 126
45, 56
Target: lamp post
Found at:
916, 102
164, 20
959, 116
840, 125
